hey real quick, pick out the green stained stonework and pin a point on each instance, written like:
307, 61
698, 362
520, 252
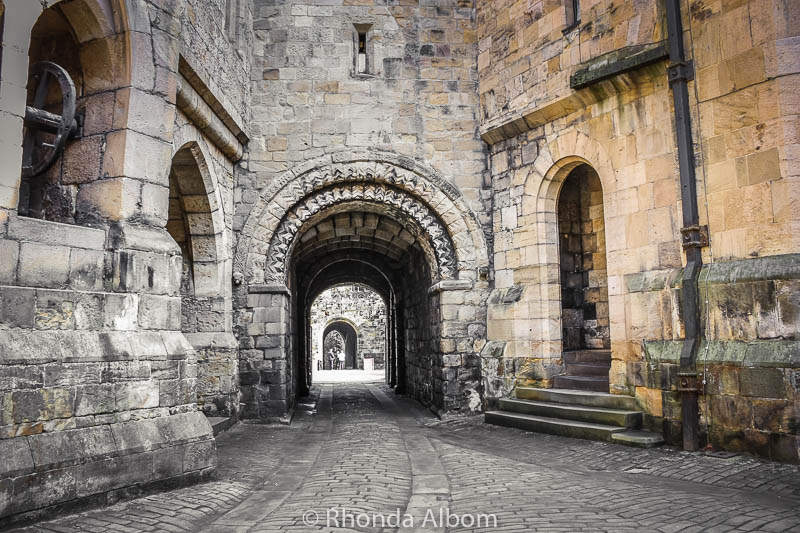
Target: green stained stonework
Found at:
618, 62
779, 354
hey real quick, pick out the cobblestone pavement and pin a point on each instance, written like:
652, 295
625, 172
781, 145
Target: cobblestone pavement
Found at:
365, 450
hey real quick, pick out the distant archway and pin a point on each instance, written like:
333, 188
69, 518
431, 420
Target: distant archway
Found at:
350, 337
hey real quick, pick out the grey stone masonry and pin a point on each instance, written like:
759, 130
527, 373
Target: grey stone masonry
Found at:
359, 306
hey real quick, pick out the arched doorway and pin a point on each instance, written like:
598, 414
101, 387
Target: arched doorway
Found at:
329, 250
349, 344
586, 339
390, 224
357, 311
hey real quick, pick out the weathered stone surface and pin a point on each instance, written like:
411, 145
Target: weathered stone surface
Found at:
136, 395
617, 62
372, 168
17, 459
51, 450
41, 489
106, 475
9, 251
17, 307
762, 382
94, 399
43, 265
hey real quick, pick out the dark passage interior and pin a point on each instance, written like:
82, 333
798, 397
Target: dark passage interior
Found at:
380, 247
586, 338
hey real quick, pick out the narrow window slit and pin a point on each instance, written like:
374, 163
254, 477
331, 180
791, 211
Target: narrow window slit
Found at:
362, 52
362, 62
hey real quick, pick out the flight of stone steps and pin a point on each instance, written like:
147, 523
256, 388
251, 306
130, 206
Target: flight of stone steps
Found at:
579, 407
585, 370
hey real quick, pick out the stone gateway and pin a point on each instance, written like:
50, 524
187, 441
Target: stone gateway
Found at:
579, 218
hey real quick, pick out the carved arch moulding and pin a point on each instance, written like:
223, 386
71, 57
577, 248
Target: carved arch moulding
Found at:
408, 183
442, 259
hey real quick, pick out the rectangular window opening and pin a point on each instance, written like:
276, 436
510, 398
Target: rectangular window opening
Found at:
231, 19
362, 53
362, 62
573, 10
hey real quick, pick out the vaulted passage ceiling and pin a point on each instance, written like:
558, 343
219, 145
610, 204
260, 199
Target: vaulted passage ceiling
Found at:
357, 229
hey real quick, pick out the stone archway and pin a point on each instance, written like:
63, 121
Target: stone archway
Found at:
585, 321
547, 228
349, 334
404, 174
418, 232
525, 325
441, 253
196, 224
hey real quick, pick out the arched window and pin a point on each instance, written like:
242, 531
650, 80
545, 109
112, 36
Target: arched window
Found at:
192, 224
78, 68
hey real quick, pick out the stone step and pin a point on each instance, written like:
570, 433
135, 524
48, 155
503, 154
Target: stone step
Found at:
577, 397
220, 423
638, 438
580, 413
587, 356
585, 383
588, 369
554, 426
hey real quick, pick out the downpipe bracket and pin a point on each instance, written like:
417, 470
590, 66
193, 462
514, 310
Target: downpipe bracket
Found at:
680, 71
689, 381
695, 236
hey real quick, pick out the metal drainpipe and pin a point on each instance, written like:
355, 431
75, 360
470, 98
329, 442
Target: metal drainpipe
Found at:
693, 235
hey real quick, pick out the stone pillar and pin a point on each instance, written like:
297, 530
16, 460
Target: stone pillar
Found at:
461, 335
265, 368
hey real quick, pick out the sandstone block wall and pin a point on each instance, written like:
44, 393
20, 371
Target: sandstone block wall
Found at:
418, 100
540, 128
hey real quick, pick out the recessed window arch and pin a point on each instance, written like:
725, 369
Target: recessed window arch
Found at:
48, 193
78, 58
192, 223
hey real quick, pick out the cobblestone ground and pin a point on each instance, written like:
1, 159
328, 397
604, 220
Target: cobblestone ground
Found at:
365, 450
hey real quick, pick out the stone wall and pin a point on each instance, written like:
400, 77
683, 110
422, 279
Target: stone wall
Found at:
319, 123
217, 39
360, 306
214, 72
418, 100
544, 114
98, 383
